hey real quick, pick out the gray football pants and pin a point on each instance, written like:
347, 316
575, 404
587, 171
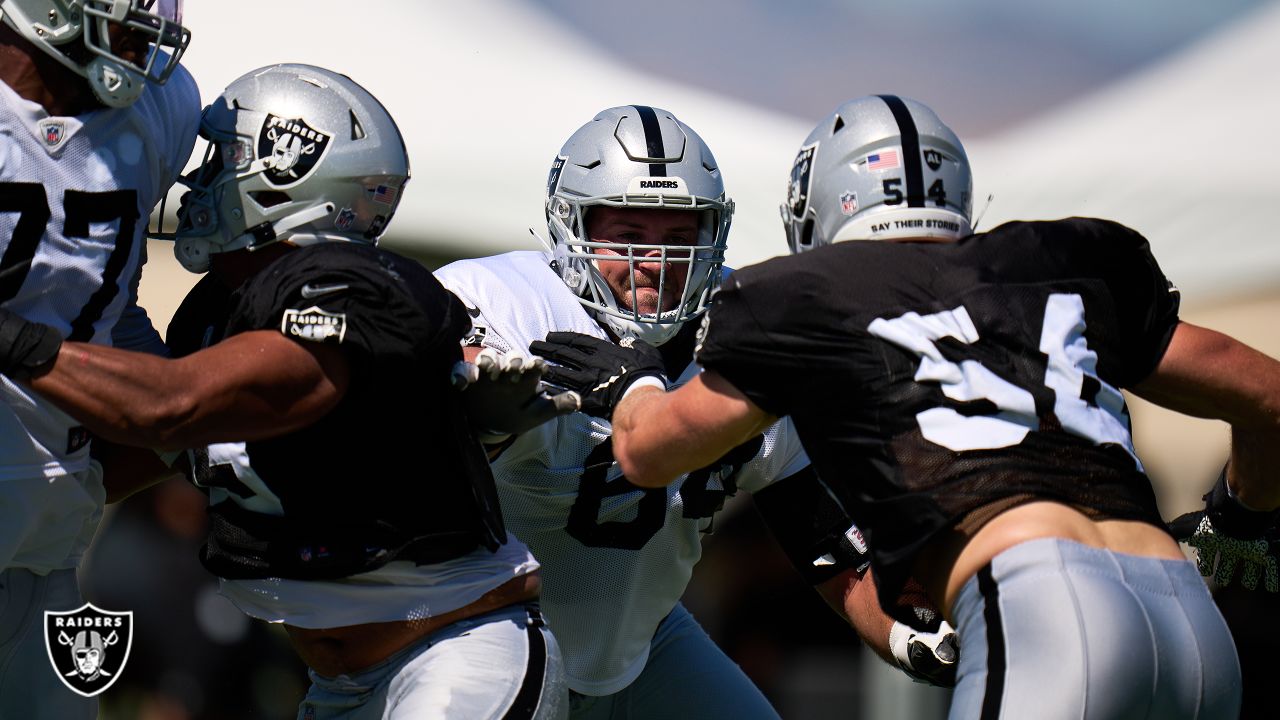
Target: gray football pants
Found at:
1055, 629
503, 665
687, 676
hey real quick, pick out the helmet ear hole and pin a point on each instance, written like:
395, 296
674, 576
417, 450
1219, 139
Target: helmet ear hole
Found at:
269, 198
806, 234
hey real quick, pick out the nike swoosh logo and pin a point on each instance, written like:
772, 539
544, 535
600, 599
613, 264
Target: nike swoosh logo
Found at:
310, 291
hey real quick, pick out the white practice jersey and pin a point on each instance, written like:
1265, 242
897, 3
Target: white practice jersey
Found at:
615, 558
75, 197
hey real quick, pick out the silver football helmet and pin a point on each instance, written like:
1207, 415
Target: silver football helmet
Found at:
296, 153
635, 156
78, 34
878, 168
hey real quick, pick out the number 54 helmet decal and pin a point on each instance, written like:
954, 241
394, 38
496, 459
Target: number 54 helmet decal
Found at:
880, 167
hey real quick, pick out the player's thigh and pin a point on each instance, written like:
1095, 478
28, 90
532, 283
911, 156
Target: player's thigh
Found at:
29, 685
500, 665
688, 675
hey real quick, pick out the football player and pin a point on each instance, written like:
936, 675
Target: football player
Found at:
97, 119
638, 218
962, 394
350, 499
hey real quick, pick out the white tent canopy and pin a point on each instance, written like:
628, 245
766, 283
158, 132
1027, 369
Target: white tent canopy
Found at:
1185, 152
486, 91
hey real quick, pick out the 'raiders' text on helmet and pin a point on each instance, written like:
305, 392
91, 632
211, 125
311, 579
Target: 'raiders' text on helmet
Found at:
635, 156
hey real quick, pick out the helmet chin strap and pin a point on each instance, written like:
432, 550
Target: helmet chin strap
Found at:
259, 237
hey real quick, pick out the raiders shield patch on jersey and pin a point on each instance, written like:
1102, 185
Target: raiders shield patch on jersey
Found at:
292, 149
314, 324
88, 647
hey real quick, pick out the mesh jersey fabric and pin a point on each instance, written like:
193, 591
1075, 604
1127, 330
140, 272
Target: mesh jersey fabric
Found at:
615, 558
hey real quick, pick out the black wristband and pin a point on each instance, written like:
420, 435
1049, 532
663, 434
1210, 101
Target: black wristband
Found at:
27, 348
1232, 518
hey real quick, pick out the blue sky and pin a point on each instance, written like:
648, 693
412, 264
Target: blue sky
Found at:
983, 64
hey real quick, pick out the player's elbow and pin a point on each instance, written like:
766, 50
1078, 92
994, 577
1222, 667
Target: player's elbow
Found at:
164, 424
640, 468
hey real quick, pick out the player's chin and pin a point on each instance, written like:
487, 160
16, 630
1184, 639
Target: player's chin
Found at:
647, 301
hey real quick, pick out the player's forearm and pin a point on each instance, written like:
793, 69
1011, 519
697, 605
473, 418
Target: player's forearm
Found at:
658, 436
852, 595
644, 445
1253, 472
125, 397
252, 386
1208, 374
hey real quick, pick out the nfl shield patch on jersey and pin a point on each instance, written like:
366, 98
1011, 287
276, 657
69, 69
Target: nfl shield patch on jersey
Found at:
88, 647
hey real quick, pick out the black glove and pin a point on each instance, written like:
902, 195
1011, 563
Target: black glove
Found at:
1227, 535
927, 657
598, 370
504, 396
26, 348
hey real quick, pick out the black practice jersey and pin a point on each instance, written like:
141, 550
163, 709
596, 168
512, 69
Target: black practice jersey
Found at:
394, 460
936, 384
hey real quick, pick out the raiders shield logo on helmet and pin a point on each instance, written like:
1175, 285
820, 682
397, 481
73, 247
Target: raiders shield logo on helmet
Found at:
553, 178
88, 647
292, 148
798, 188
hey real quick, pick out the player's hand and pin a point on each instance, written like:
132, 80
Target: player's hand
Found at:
504, 395
927, 657
598, 370
1228, 537
26, 348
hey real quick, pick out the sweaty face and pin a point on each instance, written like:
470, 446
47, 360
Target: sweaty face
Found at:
639, 226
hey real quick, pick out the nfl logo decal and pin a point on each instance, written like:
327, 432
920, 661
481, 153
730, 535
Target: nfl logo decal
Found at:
849, 202
53, 132
88, 647
345, 218
292, 149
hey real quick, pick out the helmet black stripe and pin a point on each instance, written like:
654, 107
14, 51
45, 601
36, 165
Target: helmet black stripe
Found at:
910, 149
652, 139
